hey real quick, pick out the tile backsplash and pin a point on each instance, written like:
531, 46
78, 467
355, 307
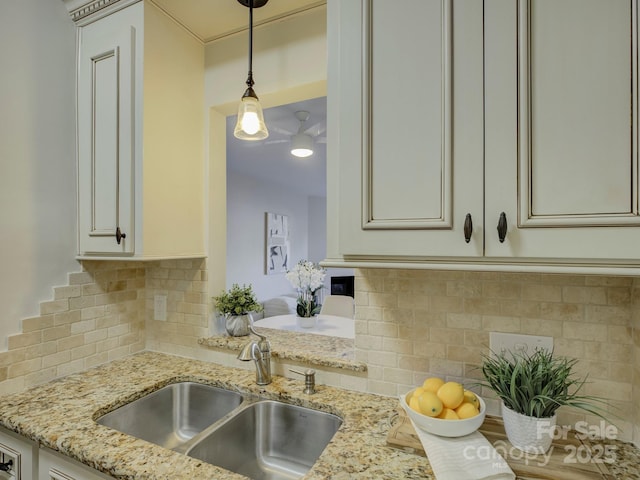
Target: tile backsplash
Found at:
410, 324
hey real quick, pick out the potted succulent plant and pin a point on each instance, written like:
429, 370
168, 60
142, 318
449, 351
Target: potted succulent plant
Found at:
236, 304
532, 388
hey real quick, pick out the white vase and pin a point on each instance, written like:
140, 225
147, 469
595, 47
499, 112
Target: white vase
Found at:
306, 322
237, 325
529, 434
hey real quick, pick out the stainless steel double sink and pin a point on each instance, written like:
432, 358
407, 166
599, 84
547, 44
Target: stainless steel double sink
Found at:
261, 439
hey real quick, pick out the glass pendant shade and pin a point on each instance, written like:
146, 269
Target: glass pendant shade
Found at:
250, 124
301, 145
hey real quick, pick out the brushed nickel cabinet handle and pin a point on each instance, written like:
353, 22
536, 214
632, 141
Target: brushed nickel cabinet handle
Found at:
468, 228
502, 227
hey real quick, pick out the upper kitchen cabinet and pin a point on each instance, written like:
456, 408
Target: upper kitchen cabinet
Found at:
140, 136
405, 99
561, 113
498, 133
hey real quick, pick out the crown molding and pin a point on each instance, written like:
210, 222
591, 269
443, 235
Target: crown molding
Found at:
83, 11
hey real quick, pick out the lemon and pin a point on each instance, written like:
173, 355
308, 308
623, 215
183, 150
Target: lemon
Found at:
466, 410
414, 404
451, 394
448, 414
432, 384
470, 397
418, 391
430, 404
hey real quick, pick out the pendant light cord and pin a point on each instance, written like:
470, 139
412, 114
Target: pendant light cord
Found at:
250, 76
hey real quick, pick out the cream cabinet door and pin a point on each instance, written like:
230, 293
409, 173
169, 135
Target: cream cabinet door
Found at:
106, 134
55, 466
408, 103
561, 118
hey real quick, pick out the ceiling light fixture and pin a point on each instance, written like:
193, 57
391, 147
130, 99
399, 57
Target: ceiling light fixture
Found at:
250, 124
301, 143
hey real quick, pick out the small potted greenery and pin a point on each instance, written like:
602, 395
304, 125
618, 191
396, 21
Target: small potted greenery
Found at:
532, 388
236, 305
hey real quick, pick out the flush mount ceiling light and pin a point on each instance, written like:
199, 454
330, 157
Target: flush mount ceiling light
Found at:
250, 124
301, 143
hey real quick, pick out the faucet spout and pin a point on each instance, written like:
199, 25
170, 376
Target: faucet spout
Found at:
260, 353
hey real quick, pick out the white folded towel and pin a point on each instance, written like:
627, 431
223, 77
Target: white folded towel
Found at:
471, 457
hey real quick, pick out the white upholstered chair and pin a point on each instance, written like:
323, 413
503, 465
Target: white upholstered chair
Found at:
339, 305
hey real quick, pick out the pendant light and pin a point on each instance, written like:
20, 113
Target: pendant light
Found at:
301, 143
250, 125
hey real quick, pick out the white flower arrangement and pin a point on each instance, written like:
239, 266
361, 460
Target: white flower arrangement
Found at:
307, 278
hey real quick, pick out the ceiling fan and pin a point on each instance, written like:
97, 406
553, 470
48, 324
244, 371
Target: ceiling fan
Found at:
303, 140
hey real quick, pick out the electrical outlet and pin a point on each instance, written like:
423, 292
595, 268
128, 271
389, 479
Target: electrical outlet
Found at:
504, 342
160, 307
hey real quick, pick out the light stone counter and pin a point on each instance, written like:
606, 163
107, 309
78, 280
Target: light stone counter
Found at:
61, 415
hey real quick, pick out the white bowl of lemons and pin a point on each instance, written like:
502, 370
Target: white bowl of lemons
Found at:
444, 408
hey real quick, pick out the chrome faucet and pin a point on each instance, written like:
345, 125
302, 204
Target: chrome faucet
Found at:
259, 352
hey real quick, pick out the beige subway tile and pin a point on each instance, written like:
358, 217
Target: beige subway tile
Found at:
368, 342
12, 356
475, 338
92, 312
397, 345
21, 340
441, 367
69, 291
464, 320
118, 330
40, 349
55, 333
397, 375
83, 326
562, 279
542, 293
501, 324
361, 327
417, 333
620, 334
461, 288
97, 359
447, 336
66, 317
430, 350
482, 306
539, 326
447, 304
23, 368
93, 289
519, 308
501, 290
102, 299
54, 306
83, 351
610, 315
410, 300
562, 311
106, 345
608, 352
40, 377
618, 295
410, 362
79, 303
68, 368
402, 316
583, 294
384, 329
126, 273
362, 299
608, 389
372, 284
620, 372
482, 276
107, 321
569, 347
464, 353
56, 359
383, 300
609, 281
473, 372
382, 388
584, 331
80, 278
68, 343
370, 313
37, 323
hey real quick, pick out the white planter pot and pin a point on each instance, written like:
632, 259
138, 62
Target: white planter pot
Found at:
529, 434
306, 322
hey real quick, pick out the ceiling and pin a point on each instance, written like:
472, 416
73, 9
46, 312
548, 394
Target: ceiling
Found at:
271, 160
210, 20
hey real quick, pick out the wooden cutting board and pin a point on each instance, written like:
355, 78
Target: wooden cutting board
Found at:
568, 459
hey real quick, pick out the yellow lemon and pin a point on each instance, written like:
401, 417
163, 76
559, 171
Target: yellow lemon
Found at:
430, 404
414, 404
466, 410
451, 394
418, 391
448, 414
432, 384
470, 397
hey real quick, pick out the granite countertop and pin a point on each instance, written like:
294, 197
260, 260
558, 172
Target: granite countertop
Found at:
61, 415
313, 349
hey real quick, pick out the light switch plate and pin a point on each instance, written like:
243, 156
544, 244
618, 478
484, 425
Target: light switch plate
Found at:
160, 307
504, 342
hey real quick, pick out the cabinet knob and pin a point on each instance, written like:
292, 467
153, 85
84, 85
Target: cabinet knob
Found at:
468, 228
120, 235
502, 227
6, 467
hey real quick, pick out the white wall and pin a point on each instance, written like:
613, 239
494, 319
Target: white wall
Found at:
248, 198
37, 156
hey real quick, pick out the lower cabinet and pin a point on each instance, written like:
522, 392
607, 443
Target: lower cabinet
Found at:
21, 459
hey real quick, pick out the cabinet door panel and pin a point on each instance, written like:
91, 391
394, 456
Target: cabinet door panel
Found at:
397, 160
105, 137
561, 128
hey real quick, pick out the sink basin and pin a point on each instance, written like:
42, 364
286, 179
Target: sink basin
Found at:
268, 440
171, 416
